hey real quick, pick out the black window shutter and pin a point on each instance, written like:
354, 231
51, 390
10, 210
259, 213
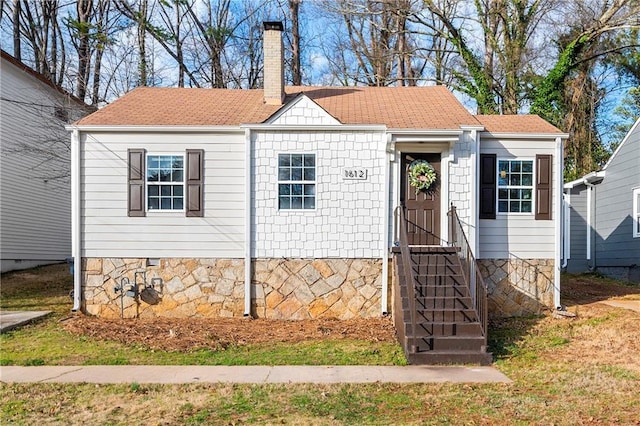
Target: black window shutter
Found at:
543, 186
195, 183
487, 186
135, 192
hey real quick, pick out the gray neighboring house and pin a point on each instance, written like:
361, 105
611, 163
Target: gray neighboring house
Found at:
35, 196
602, 224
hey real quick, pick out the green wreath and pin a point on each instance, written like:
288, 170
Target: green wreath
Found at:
422, 175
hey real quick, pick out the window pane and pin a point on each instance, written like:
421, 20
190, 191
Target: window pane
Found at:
154, 191
526, 194
177, 176
153, 161
502, 206
165, 176
514, 194
309, 203
152, 176
296, 202
284, 174
309, 174
177, 190
309, 190
503, 166
503, 194
310, 160
503, 181
284, 203
153, 204
296, 160
177, 203
165, 191
514, 206
515, 180
178, 162
284, 189
296, 189
165, 203
284, 160
296, 173
515, 166
527, 166
526, 206
527, 180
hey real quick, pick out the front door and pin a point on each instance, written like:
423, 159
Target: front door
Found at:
422, 206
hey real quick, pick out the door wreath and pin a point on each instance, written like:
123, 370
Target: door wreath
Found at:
422, 175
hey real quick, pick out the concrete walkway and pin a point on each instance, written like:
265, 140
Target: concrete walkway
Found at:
251, 374
10, 320
633, 305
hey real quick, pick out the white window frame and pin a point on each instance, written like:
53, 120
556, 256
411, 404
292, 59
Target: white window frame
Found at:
636, 212
160, 184
508, 187
300, 182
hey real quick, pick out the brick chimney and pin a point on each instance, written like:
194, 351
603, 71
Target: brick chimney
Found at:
273, 63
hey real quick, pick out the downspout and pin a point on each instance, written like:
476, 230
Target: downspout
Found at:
75, 219
558, 222
388, 156
475, 190
566, 223
589, 191
247, 223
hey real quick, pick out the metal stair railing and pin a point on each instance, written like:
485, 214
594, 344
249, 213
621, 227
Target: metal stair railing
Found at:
409, 275
470, 271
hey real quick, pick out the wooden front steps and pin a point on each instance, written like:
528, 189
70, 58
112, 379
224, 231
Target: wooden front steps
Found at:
447, 329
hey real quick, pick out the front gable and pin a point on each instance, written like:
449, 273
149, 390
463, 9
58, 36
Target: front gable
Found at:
302, 111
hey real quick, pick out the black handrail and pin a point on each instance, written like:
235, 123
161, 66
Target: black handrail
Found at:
409, 275
471, 272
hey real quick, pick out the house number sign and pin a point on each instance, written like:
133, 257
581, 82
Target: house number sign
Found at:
354, 173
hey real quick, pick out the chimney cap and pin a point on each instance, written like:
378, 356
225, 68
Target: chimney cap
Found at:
273, 25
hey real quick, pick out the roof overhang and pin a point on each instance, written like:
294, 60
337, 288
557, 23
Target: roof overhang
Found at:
592, 178
492, 135
322, 128
156, 129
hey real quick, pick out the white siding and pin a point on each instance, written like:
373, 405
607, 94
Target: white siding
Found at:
35, 206
303, 112
348, 219
107, 231
519, 235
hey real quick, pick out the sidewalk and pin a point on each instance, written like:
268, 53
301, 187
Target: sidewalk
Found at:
172, 374
10, 320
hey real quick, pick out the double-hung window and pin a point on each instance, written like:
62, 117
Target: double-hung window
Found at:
515, 186
296, 181
636, 213
165, 182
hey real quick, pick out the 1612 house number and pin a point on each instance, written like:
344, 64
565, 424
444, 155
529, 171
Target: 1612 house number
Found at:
354, 173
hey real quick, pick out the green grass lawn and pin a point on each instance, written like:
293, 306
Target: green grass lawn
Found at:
577, 371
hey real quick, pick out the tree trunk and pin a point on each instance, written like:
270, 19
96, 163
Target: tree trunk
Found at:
294, 10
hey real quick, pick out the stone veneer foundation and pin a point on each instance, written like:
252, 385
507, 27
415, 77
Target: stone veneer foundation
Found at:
281, 288
518, 286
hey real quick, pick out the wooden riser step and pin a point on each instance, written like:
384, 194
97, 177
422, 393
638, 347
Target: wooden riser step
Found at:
471, 329
450, 358
448, 343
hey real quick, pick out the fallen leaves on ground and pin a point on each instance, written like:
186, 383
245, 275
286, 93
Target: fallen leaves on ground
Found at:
184, 335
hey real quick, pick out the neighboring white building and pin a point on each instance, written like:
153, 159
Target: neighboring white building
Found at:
35, 202
283, 203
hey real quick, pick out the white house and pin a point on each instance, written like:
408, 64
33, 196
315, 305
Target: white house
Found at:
283, 203
35, 206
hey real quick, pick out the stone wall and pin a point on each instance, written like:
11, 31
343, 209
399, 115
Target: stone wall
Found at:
326, 288
518, 286
281, 288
